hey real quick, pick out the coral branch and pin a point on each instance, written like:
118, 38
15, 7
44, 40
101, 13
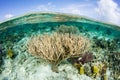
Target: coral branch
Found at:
57, 47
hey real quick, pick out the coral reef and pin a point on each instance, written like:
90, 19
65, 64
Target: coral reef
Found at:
100, 63
82, 70
1, 52
108, 52
114, 60
0, 49
28, 67
87, 57
67, 29
58, 47
1, 60
10, 53
95, 70
111, 45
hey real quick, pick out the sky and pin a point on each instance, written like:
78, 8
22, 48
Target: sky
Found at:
101, 10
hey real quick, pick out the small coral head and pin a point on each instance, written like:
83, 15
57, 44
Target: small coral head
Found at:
87, 57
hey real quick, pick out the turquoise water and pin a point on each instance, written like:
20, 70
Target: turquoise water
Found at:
47, 23
91, 29
14, 30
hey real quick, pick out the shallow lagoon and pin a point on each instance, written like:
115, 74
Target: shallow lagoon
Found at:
15, 33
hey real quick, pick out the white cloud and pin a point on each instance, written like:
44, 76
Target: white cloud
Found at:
103, 10
71, 9
108, 11
81, 8
9, 15
46, 7
85, 9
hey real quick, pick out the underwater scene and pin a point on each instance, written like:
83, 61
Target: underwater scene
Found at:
55, 46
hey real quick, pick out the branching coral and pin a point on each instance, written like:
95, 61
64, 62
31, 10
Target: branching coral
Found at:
57, 47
